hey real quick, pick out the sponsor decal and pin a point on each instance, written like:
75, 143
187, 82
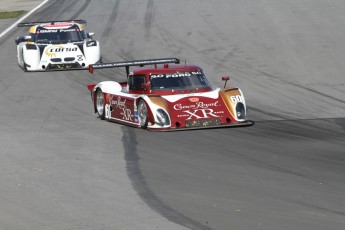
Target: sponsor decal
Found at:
91, 43
203, 123
51, 51
44, 31
200, 113
47, 31
68, 30
193, 99
117, 103
121, 105
136, 114
196, 105
198, 110
175, 75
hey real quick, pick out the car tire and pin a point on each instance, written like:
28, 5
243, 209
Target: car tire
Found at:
100, 104
24, 64
142, 114
100, 60
25, 68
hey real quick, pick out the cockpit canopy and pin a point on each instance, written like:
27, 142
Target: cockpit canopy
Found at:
166, 79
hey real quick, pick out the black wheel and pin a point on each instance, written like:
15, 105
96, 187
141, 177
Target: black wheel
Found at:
25, 68
100, 104
24, 64
142, 114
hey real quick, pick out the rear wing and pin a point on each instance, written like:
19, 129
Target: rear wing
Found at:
127, 64
27, 24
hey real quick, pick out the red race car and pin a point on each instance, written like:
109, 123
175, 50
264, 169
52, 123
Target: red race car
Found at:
163, 95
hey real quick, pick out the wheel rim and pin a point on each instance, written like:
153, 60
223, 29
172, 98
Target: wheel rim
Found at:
142, 110
100, 102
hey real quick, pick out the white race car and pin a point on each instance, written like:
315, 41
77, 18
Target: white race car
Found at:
56, 45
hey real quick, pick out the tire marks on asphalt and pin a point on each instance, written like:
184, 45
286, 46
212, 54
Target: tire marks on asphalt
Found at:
140, 185
62, 7
302, 87
111, 21
148, 19
81, 9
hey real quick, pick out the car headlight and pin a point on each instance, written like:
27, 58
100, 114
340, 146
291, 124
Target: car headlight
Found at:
162, 117
240, 111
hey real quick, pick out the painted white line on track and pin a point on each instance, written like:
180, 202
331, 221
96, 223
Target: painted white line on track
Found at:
22, 18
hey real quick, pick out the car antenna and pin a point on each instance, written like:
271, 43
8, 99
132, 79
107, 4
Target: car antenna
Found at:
225, 79
185, 62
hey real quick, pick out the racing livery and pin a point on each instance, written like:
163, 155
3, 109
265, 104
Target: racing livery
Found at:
56, 45
164, 95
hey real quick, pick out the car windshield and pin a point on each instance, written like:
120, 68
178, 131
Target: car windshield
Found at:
58, 35
179, 80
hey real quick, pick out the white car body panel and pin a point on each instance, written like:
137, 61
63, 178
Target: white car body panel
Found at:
54, 55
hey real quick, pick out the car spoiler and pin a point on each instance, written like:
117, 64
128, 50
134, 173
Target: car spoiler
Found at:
127, 64
27, 24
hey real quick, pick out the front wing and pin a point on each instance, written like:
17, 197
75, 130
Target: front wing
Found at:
239, 124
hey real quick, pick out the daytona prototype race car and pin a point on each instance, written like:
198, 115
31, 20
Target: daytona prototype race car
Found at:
164, 95
56, 45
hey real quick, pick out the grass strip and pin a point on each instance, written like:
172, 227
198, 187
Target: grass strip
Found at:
11, 14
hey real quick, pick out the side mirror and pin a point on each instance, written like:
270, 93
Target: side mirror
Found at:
17, 40
145, 86
90, 35
22, 39
226, 79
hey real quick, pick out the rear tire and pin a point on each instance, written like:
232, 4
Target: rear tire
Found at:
100, 104
142, 114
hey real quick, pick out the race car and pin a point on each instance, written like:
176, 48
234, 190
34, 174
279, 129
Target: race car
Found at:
57, 45
164, 95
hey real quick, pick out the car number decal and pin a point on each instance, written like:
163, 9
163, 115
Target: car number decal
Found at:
236, 99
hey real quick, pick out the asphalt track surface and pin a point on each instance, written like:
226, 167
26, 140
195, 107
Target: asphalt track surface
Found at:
62, 168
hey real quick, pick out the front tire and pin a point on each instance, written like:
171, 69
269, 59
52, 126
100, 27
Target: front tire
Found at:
100, 104
24, 64
25, 68
100, 60
142, 114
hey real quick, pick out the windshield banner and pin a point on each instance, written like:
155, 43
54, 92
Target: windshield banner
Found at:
175, 75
